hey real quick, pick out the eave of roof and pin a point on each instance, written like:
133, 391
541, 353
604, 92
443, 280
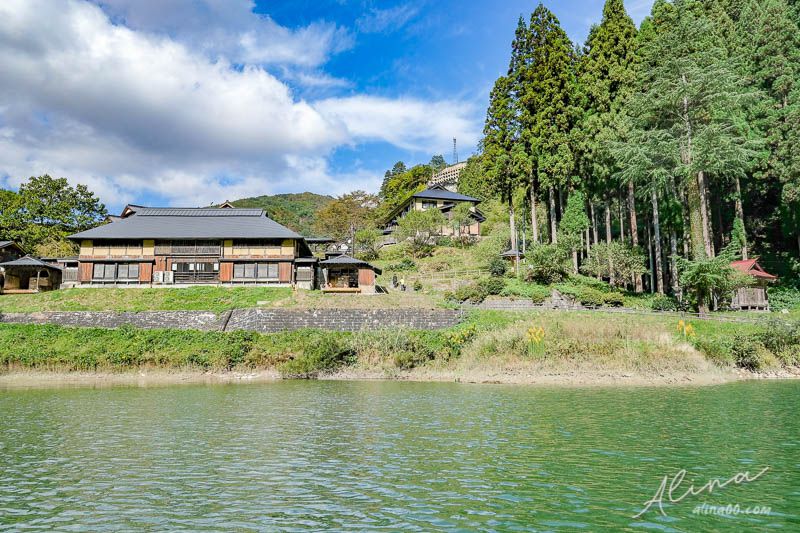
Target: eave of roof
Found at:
193, 223
752, 268
344, 260
28, 261
444, 194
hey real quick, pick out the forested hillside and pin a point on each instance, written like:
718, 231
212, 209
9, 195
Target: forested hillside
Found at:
679, 138
294, 210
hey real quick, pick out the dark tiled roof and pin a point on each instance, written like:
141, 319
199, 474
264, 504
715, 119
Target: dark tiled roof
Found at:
347, 260
198, 212
443, 194
192, 223
29, 262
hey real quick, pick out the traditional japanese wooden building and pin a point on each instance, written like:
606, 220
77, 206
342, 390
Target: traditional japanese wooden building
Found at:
28, 274
343, 273
753, 297
186, 246
438, 197
9, 250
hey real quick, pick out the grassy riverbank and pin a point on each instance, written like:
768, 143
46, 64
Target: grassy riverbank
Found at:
525, 347
215, 299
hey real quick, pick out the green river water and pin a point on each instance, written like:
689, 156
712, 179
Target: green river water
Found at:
358, 456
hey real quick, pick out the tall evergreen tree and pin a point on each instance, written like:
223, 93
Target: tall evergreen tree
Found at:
546, 103
500, 136
688, 109
607, 77
769, 45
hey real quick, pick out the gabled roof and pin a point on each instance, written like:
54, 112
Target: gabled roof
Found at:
29, 261
11, 244
438, 193
191, 223
344, 260
752, 268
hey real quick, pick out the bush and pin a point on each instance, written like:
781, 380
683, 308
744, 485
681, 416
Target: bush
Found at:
323, 353
497, 266
783, 298
548, 263
403, 265
587, 296
613, 299
474, 293
492, 286
662, 302
536, 293
749, 353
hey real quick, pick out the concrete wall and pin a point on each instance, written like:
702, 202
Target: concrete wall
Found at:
261, 320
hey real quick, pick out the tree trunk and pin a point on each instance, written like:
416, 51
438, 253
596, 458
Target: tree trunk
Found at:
553, 223
512, 224
534, 216
657, 242
697, 227
621, 218
740, 214
595, 229
637, 280
650, 259
706, 219
611, 278
673, 266
588, 238
702, 304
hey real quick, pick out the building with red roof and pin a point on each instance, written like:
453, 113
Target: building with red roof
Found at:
753, 297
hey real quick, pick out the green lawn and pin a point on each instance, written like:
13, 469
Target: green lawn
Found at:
110, 299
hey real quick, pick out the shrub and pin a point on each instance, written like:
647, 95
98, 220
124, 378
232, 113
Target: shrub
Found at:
749, 353
492, 286
497, 266
662, 302
403, 265
323, 353
615, 260
613, 299
474, 293
585, 295
784, 297
514, 287
548, 263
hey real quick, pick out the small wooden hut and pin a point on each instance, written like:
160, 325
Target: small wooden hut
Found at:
753, 297
343, 273
28, 274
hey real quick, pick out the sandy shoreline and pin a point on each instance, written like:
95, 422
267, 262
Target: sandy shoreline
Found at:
25, 379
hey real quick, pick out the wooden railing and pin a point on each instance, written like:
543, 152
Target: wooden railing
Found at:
169, 249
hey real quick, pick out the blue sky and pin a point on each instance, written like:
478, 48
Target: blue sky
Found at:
187, 102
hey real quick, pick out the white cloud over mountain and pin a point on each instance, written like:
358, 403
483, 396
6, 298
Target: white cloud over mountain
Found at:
135, 98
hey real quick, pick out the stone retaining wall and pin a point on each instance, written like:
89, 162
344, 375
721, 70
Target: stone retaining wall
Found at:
261, 320
202, 320
271, 320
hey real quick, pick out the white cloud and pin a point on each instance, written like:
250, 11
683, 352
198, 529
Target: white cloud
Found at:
135, 114
407, 123
230, 28
386, 20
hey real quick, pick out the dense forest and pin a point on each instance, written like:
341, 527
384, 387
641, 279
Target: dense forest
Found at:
294, 210
679, 138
